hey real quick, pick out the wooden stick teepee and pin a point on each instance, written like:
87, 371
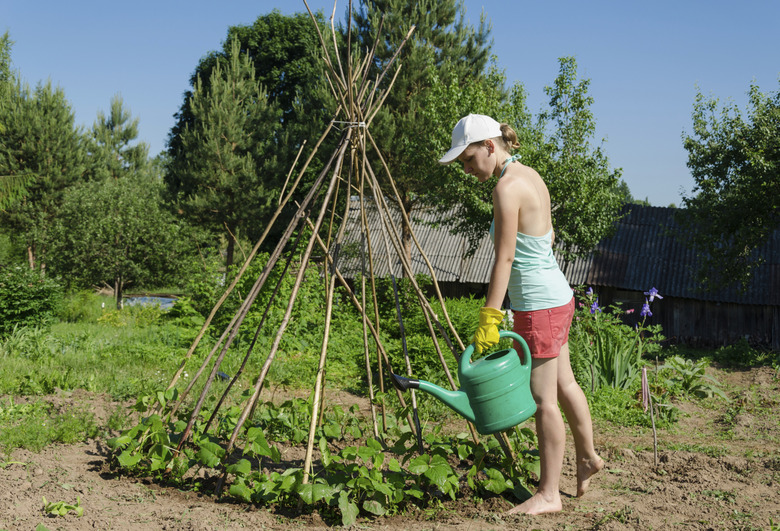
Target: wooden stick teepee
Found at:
348, 171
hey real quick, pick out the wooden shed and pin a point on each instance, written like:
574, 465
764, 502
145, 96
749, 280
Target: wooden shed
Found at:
644, 252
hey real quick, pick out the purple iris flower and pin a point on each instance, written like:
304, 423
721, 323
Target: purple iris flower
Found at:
589, 293
595, 307
646, 310
653, 293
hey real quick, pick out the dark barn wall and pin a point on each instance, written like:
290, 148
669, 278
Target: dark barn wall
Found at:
702, 323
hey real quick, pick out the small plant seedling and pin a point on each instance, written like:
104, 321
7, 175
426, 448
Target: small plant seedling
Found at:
61, 508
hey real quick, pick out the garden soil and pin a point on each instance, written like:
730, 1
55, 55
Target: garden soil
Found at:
719, 468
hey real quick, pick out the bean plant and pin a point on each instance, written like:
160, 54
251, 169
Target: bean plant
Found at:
356, 473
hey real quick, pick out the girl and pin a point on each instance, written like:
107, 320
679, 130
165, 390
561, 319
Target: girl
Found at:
540, 296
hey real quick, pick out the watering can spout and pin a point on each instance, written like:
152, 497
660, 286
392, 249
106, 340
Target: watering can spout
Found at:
455, 400
495, 391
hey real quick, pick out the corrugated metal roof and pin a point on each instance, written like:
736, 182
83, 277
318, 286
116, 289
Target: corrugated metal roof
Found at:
645, 251
443, 250
649, 250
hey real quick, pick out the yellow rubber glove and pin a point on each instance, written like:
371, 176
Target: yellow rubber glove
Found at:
487, 332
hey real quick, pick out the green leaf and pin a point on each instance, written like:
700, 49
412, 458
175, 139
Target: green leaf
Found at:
288, 483
311, 493
332, 430
374, 444
161, 398
276, 454
378, 461
384, 488
171, 394
464, 450
325, 456
394, 465
349, 510
366, 453
374, 507
419, 465
349, 453
415, 492
242, 468
128, 460
210, 453
118, 442
439, 472
496, 483
257, 444
241, 491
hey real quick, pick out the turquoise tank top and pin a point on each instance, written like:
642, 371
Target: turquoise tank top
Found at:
536, 282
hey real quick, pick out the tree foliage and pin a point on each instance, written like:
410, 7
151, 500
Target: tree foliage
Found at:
112, 229
225, 175
583, 188
735, 164
27, 298
115, 232
114, 153
582, 185
11, 186
41, 144
253, 105
278, 100
443, 45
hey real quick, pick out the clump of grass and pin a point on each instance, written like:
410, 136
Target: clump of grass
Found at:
84, 307
123, 361
35, 425
621, 407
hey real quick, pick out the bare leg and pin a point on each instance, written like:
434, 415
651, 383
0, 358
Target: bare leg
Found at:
575, 407
552, 438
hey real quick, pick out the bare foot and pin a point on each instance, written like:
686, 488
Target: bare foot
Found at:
538, 504
585, 469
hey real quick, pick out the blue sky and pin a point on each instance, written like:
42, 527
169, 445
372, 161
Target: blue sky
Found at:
645, 61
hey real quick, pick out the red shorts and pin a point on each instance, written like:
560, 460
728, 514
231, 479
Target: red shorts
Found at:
545, 331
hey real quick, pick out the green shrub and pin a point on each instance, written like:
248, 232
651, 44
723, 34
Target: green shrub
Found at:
27, 297
83, 307
604, 350
36, 424
622, 408
742, 354
690, 377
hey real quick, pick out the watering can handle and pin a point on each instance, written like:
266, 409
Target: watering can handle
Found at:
465, 358
523, 345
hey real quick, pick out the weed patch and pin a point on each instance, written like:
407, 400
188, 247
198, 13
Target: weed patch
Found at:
35, 425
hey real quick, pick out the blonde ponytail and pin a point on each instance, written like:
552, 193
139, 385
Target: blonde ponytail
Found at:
509, 138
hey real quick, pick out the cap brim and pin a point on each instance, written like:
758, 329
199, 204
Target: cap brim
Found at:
452, 154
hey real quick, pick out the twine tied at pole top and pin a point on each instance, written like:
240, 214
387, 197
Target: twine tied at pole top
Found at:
351, 124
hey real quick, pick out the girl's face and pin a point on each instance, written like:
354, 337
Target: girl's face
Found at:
477, 161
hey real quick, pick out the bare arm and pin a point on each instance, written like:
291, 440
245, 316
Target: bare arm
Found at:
506, 204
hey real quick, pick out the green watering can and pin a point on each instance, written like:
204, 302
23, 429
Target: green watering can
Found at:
495, 392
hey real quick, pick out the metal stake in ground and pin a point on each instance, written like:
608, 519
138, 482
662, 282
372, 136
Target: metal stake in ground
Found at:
408, 365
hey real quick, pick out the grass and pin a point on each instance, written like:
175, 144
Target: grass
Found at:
34, 425
125, 354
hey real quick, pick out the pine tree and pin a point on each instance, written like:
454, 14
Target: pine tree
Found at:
41, 144
12, 186
284, 53
224, 173
113, 152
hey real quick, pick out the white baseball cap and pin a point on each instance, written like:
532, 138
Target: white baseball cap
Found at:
470, 129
